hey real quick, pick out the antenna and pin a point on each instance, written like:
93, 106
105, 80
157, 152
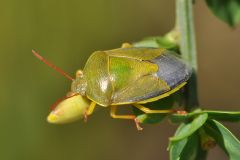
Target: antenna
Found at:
52, 66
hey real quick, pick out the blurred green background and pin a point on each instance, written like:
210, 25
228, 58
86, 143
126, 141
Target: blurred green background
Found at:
66, 33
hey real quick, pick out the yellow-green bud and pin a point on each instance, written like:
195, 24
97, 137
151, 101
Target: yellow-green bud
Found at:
69, 110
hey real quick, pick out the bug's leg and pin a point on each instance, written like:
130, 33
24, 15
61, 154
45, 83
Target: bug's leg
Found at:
133, 117
89, 111
126, 45
147, 110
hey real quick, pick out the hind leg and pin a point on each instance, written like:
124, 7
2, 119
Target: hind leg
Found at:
89, 111
132, 117
149, 111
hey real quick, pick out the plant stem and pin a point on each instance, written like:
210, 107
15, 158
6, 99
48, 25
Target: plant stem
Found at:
185, 27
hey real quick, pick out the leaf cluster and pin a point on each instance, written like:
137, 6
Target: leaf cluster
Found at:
199, 130
226, 10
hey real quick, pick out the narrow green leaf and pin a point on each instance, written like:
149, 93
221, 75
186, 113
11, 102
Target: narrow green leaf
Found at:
156, 42
193, 149
190, 150
229, 116
148, 42
187, 149
177, 147
191, 127
226, 10
168, 41
224, 115
224, 138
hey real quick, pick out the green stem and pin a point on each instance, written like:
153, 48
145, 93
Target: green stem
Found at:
185, 27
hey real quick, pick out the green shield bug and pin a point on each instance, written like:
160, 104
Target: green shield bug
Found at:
127, 75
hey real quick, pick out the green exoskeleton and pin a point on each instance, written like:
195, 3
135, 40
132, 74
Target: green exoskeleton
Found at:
117, 77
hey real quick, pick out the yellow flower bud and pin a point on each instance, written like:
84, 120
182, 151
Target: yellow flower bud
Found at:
69, 110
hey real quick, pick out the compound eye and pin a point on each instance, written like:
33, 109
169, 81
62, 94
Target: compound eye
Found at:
81, 88
79, 74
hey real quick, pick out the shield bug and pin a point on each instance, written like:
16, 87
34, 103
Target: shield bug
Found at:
127, 75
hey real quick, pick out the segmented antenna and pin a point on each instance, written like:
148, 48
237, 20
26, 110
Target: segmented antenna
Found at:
52, 66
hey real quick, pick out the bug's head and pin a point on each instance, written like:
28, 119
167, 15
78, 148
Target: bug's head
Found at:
79, 85
69, 110
74, 105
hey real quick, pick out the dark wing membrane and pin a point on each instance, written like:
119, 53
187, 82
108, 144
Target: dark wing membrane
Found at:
171, 74
172, 69
133, 75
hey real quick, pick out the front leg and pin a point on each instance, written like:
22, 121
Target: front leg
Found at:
89, 111
132, 117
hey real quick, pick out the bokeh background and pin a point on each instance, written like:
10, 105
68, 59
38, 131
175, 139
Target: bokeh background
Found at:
66, 33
